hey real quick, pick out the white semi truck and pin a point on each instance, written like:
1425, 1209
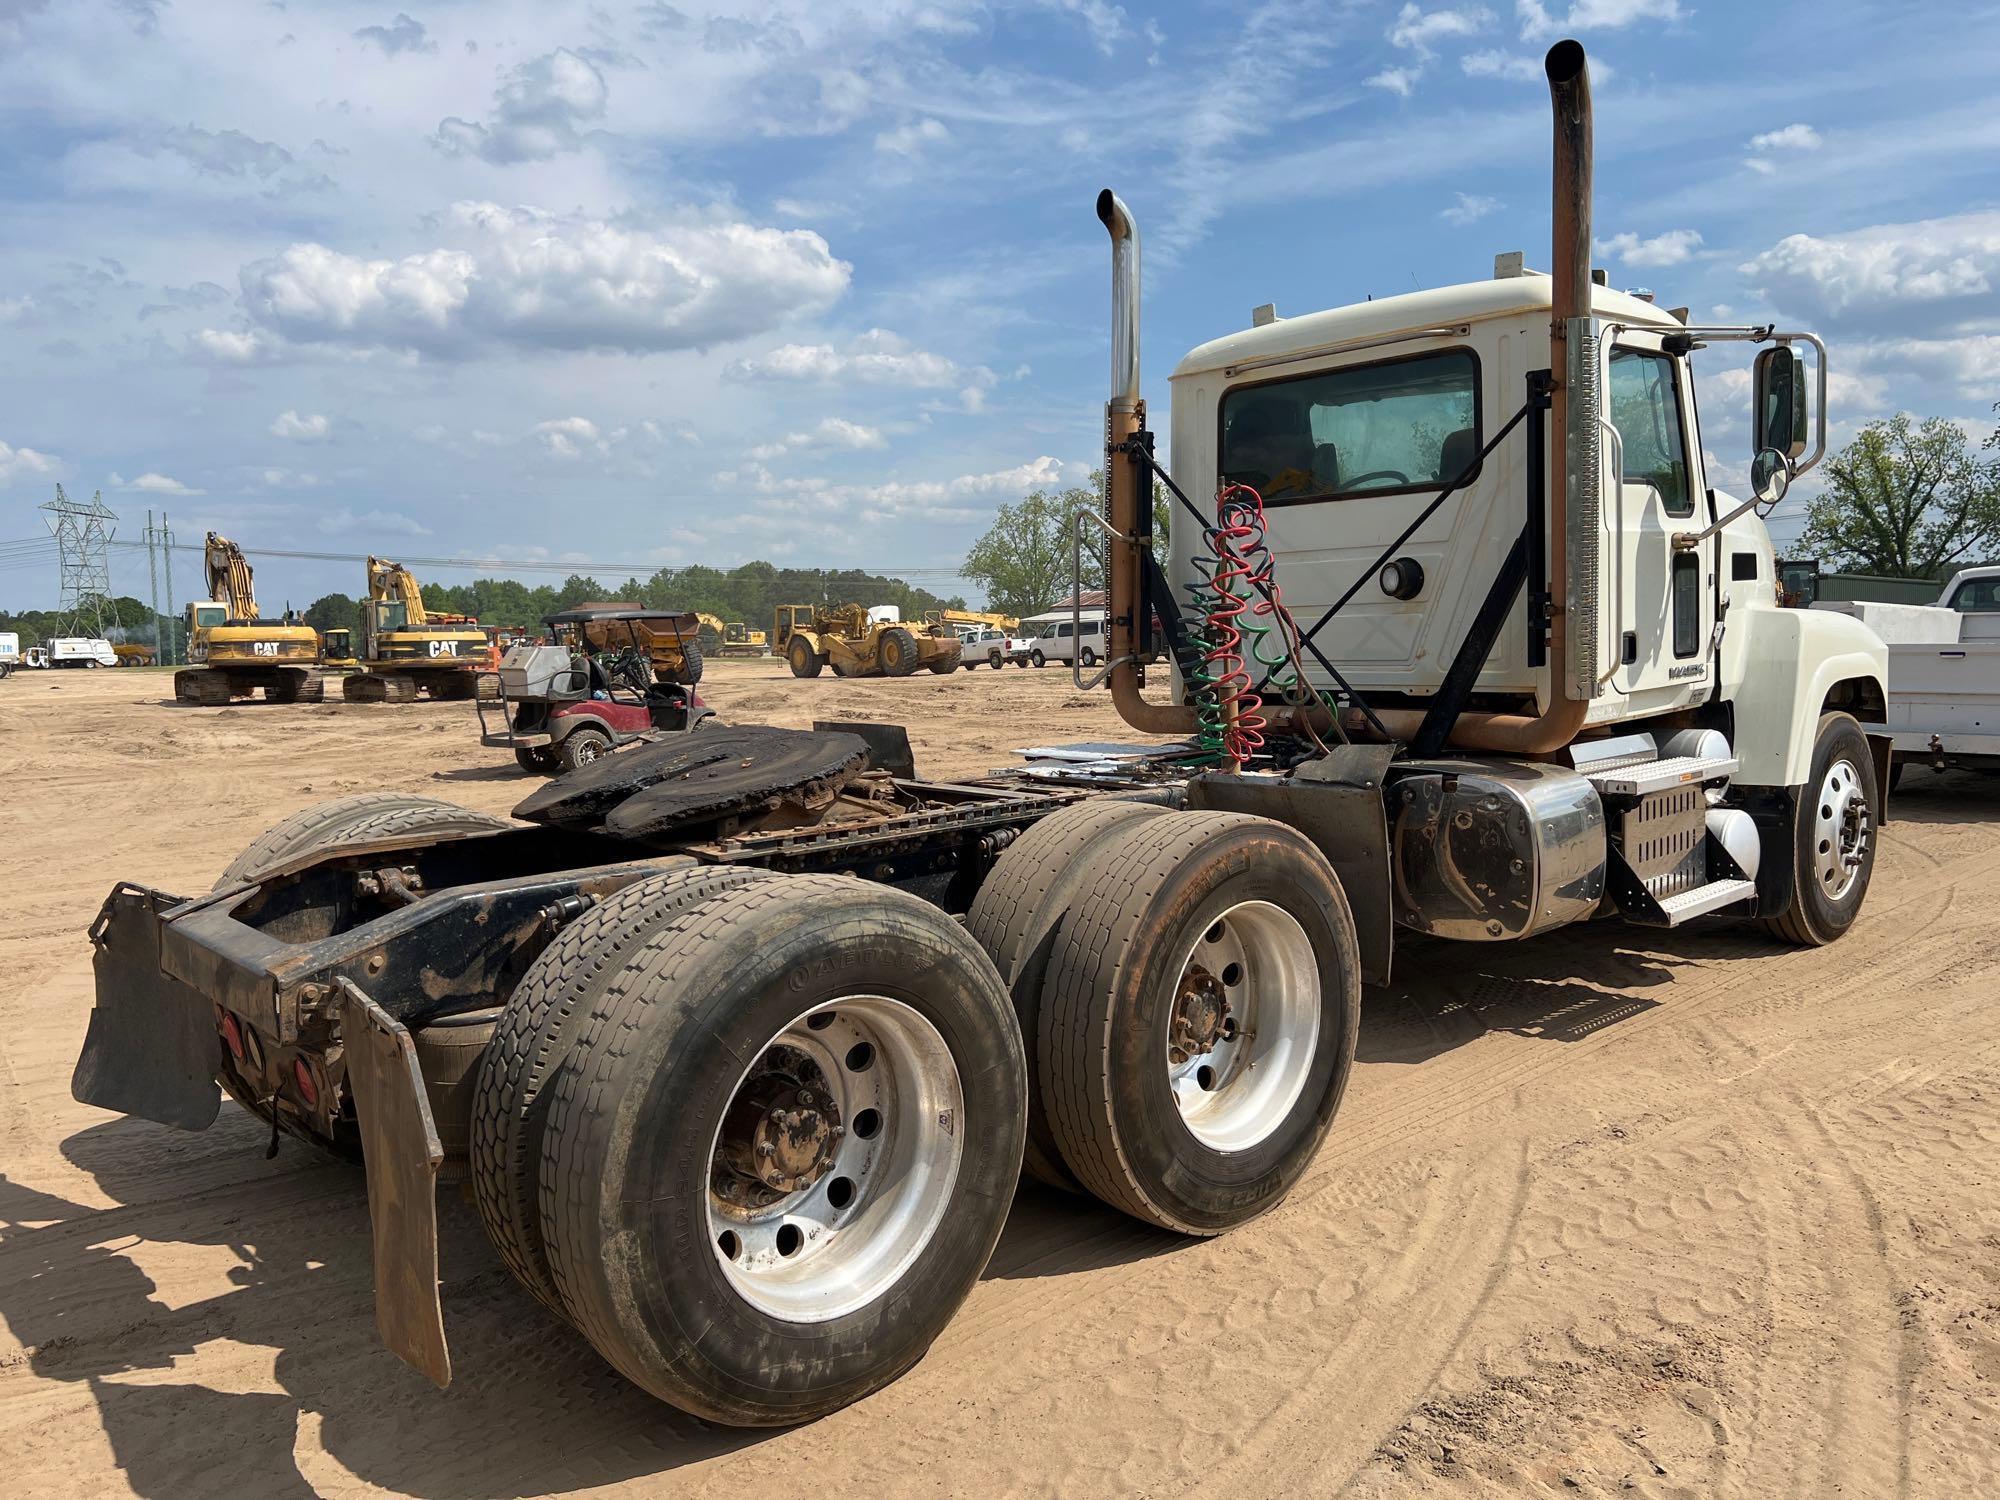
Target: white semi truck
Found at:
744, 1039
1944, 672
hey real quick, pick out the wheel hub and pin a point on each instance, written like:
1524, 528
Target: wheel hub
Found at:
1201, 1015
782, 1132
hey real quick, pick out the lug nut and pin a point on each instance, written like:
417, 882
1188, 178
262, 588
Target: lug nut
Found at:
765, 1148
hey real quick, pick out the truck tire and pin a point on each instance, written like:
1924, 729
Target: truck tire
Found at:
1833, 837
874, 1035
897, 651
1014, 918
353, 820
536, 760
691, 664
944, 666
1089, 657
1199, 1019
1037, 658
580, 747
553, 999
804, 660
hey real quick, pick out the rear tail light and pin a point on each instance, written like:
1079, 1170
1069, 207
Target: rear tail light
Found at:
308, 1089
232, 1036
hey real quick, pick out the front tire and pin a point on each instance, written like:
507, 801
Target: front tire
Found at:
1833, 837
1199, 1021
760, 1287
898, 652
1037, 658
804, 660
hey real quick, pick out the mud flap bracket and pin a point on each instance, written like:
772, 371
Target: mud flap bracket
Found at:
400, 1144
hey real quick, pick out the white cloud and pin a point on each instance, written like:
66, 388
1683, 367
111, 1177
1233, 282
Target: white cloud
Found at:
314, 427
1935, 276
1417, 29
1790, 138
830, 432
223, 346
540, 110
1668, 249
527, 278
1469, 209
376, 522
1592, 15
404, 34
958, 499
571, 437
17, 464
1968, 364
1401, 82
151, 483
288, 479
908, 140
877, 357
1493, 63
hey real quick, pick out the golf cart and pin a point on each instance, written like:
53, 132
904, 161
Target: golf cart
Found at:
562, 706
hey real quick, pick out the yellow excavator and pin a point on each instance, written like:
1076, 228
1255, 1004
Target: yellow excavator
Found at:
233, 653
406, 648
731, 638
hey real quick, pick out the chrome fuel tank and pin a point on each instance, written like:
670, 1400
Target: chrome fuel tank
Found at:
1493, 849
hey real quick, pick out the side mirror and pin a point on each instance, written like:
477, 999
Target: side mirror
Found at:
1779, 379
1770, 476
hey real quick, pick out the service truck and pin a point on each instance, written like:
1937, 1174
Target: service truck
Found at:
743, 1038
1944, 672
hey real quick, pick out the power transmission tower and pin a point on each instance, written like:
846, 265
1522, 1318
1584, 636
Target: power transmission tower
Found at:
83, 538
178, 649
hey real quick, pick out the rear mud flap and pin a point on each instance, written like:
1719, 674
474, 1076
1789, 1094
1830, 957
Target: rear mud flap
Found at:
400, 1144
152, 1048
1881, 750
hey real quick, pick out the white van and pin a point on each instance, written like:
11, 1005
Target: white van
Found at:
1065, 640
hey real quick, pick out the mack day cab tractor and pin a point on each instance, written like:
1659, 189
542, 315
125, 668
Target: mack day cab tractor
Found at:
405, 648
234, 652
740, 1095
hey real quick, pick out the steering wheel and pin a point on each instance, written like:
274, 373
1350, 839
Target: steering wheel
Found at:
1360, 479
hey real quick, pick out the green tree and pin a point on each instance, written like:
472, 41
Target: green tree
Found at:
335, 612
1023, 561
1905, 500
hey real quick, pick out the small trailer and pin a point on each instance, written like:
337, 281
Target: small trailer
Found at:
744, 1038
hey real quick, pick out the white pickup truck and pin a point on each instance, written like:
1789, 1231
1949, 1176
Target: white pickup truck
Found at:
1944, 672
993, 648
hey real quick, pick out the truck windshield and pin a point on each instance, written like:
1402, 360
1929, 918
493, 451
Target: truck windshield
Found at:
1402, 424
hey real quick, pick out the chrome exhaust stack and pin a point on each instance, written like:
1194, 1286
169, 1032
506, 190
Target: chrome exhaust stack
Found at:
1124, 421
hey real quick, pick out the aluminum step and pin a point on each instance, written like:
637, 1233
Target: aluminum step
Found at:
1661, 775
1705, 898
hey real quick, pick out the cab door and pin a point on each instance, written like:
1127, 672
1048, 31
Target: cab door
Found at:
1661, 598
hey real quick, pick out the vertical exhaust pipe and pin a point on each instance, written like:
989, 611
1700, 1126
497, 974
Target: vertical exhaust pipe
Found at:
1124, 418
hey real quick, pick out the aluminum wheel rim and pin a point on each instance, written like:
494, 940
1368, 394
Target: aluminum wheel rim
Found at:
1235, 1092
1840, 830
819, 1251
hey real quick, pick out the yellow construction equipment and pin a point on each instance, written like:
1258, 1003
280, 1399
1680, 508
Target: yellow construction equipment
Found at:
952, 619
336, 649
406, 648
858, 642
233, 652
731, 638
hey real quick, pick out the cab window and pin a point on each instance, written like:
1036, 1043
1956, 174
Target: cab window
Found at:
1976, 596
1402, 424
1646, 410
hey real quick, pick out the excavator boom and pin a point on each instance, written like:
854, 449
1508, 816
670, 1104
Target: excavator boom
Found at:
229, 577
392, 583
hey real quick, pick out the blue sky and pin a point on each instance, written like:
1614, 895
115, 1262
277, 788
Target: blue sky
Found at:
658, 283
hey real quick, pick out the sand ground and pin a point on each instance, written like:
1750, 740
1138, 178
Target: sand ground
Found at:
1610, 1212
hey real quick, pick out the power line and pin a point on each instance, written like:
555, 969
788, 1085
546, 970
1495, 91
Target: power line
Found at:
513, 565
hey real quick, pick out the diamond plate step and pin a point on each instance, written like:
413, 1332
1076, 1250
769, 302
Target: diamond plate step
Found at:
1661, 775
1705, 898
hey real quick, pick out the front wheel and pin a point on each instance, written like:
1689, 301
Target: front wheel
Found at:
840, 1068
1089, 657
1037, 658
1833, 837
804, 660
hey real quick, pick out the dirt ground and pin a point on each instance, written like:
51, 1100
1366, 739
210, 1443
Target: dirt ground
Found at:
1674, 1214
